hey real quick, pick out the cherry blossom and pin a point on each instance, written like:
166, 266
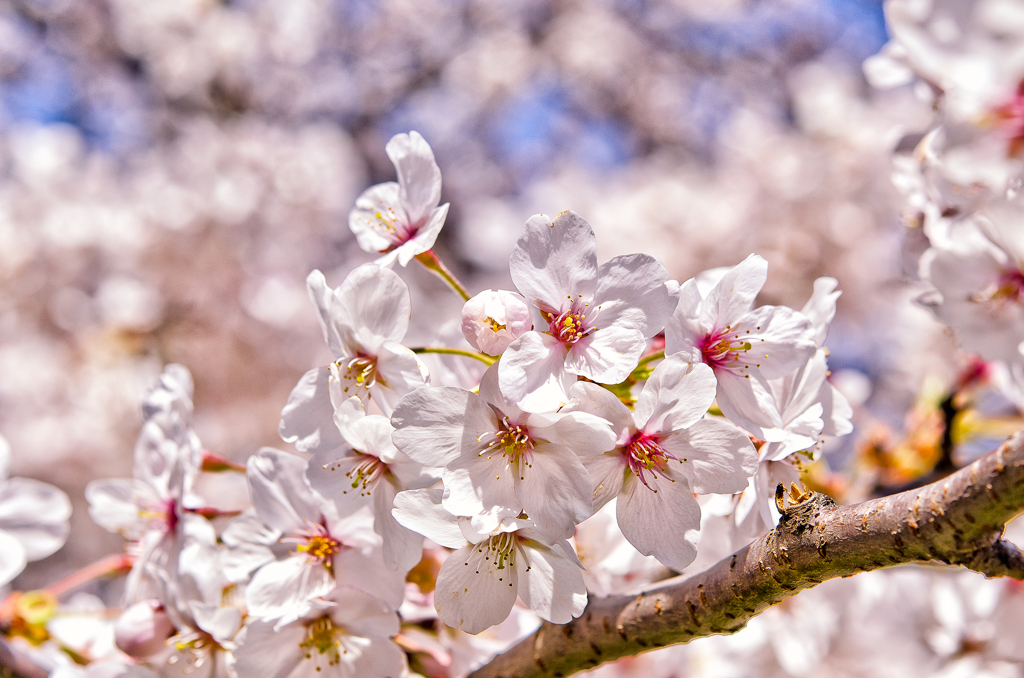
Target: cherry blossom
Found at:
297, 548
744, 346
363, 322
33, 519
402, 219
497, 558
494, 319
496, 455
597, 318
665, 452
369, 469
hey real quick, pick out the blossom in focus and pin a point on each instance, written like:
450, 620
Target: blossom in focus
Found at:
665, 452
598, 318
346, 635
297, 548
744, 346
497, 559
497, 456
33, 519
494, 319
369, 469
402, 219
363, 322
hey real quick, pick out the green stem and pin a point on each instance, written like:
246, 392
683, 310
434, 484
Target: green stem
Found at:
432, 263
486, 359
654, 356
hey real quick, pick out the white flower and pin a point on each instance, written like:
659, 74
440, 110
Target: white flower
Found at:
496, 560
369, 469
363, 322
298, 547
598, 318
744, 346
33, 519
150, 509
495, 455
494, 319
402, 219
665, 453
351, 638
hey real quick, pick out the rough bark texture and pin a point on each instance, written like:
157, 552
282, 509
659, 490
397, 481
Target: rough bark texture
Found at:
957, 520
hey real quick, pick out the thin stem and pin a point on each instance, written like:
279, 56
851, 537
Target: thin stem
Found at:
485, 359
114, 564
432, 263
654, 356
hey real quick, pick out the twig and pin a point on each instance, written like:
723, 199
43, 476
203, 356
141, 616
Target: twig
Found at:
957, 520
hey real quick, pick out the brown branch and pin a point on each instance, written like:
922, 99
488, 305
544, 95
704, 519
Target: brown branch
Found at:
957, 520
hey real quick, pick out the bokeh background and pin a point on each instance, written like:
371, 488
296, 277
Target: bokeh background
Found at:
171, 170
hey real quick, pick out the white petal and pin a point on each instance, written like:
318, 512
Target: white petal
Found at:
279, 492
377, 305
782, 340
36, 514
5, 459
326, 302
418, 174
12, 558
532, 375
332, 476
602, 403
426, 236
399, 372
269, 652
554, 260
476, 484
607, 356
472, 593
114, 505
307, 420
735, 292
837, 413
285, 588
664, 524
364, 569
714, 455
683, 331
370, 435
747, 401
377, 213
581, 432
607, 473
402, 547
433, 425
821, 307
631, 293
553, 586
247, 546
676, 395
421, 511
555, 490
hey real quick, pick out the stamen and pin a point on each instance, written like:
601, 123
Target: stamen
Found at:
322, 636
643, 453
316, 542
723, 349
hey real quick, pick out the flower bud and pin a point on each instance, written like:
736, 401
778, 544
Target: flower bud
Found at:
494, 319
143, 629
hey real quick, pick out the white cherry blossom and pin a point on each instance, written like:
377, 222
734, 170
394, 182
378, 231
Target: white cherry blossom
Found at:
496, 560
402, 219
497, 456
665, 452
347, 635
368, 469
594, 320
494, 319
33, 519
744, 346
297, 548
363, 322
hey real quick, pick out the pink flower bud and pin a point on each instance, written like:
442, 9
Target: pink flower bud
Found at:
494, 319
143, 629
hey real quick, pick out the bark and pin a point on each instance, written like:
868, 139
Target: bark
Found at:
957, 520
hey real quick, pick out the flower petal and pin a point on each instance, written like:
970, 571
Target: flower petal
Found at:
36, 514
553, 585
279, 492
399, 371
377, 212
532, 373
377, 306
307, 420
607, 473
12, 558
434, 425
555, 490
663, 523
284, 589
421, 511
402, 547
472, 594
631, 293
554, 260
607, 355
418, 174
677, 394
714, 455
734, 294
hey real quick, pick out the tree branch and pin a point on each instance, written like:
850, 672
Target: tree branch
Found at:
957, 520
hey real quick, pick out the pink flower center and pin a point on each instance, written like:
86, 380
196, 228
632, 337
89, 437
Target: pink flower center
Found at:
644, 454
513, 441
723, 349
1010, 116
393, 225
1010, 286
569, 326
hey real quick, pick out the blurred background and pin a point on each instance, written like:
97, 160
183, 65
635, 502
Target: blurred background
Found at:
171, 170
